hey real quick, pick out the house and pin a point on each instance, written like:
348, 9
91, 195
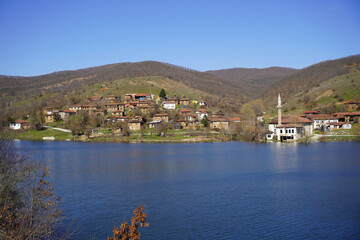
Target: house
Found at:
352, 105
306, 123
146, 109
320, 121
132, 105
100, 112
202, 104
127, 98
218, 123
181, 123
184, 111
143, 103
289, 132
89, 107
117, 118
112, 107
269, 135
153, 124
161, 117
170, 105
190, 117
118, 113
49, 118
76, 107
201, 113
140, 96
338, 125
19, 124
290, 128
349, 117
234, 120
184, 101
134, 125
192, 124
307, 113
65, 114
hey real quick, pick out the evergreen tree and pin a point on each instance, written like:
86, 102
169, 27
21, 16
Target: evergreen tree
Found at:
205, 121
162, 93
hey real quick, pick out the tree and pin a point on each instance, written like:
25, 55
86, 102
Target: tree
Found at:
130, 232
205, 121
163, 127
28, 206
162, 93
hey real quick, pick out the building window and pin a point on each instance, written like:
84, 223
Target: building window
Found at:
280, 131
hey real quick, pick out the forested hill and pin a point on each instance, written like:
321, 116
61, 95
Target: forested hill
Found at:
67, 81
255, 80
307, 78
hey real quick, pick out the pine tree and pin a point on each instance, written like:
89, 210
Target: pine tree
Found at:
162, 93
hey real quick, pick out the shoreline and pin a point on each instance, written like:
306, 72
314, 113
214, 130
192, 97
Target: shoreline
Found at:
328, 138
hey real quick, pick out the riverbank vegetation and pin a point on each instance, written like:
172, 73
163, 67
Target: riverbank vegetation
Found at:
29, 208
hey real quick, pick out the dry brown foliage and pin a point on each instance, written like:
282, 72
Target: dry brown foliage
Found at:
130, 232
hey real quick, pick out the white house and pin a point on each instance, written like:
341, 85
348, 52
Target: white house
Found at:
76, 107
288, 132
321, 121
19, 124
170, 105
64, 114
202, 103
201, 113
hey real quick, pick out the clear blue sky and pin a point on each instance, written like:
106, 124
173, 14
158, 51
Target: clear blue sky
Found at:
38, 37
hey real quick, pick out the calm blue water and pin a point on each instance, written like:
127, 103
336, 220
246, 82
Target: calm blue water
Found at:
230, 190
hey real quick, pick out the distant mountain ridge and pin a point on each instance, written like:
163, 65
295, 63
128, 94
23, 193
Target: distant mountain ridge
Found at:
235, 84
50, 83
256, 80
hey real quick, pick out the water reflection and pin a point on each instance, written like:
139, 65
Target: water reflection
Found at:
268, 191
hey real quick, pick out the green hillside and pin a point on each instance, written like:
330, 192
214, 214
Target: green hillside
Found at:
328, 96
151, 85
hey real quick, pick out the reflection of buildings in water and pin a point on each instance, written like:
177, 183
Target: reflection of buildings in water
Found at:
286, 155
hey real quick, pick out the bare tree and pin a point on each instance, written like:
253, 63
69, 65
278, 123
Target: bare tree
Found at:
28, 207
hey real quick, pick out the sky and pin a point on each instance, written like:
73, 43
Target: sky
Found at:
44, 36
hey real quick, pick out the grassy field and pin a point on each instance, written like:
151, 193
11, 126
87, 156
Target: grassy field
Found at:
38, 135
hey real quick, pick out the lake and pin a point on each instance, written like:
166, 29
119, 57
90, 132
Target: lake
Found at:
233, 190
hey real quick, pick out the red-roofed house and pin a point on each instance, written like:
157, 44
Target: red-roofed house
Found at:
19, 124
161, 117
352, 105
320, 121
184, 111
310, 112
64, 114
219, 123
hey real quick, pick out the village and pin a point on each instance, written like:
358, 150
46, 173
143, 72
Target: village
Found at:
145, 113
